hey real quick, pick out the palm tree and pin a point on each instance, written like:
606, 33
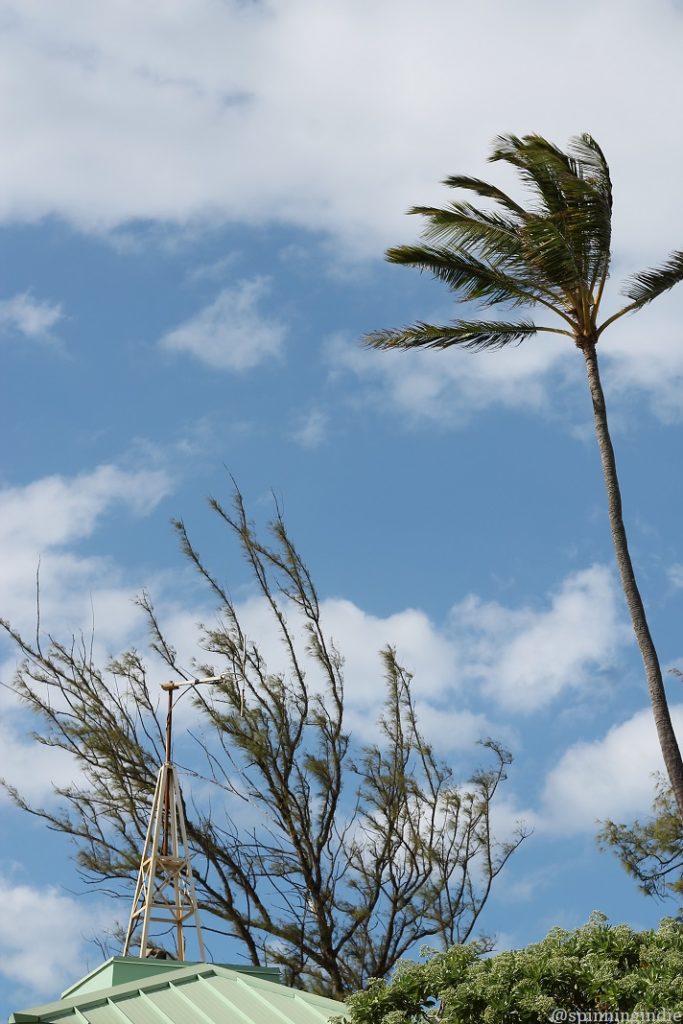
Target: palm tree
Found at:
555, 255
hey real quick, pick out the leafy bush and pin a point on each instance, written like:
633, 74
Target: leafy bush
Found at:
598, 968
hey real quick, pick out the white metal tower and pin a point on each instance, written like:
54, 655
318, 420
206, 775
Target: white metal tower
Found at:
165, 892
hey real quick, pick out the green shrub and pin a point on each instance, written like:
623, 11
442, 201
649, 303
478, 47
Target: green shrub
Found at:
598, 968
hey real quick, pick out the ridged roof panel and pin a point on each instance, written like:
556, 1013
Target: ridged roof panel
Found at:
195, 994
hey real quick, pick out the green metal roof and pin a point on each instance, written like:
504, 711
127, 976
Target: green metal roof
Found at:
119, 970
190, 994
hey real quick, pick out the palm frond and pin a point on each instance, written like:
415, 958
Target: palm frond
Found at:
465, 227
595, 171
486, 191
542, 166
645, 286
590, 157
550, 257
473, 278
537, 243
475, 334
517, 151
568, 193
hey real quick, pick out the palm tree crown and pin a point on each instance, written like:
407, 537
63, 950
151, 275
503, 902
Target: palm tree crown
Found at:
555, 254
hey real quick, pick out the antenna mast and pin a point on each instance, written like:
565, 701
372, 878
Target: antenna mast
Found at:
165, 890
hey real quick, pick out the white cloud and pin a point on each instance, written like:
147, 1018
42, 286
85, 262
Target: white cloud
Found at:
43, 522
230, 333
32, 318
507, 817
458, 730
527, 658
644, 353
49, 518
676, 575
638, 354
43, 935
609, 777
217, 270
524, 659
32, 767
312, 429
422, 648
56, 509
198, 114
447, 387
521, 889
251, 112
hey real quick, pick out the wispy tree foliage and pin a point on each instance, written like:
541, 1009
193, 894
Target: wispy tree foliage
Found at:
552, 254
651, 851
361, 851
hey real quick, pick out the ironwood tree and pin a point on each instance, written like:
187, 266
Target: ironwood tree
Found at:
360, 851
553, 254
651, 851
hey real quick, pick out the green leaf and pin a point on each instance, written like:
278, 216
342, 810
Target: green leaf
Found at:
572, 194
486, 191
468, 334
648, 284
474, 278
466, 228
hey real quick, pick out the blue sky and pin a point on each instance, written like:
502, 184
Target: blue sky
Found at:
194, 203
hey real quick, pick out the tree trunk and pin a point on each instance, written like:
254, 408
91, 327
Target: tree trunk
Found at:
653, 672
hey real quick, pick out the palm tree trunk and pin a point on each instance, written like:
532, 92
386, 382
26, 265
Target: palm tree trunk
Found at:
653, 672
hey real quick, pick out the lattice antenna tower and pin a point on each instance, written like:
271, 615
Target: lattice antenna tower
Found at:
165, 892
